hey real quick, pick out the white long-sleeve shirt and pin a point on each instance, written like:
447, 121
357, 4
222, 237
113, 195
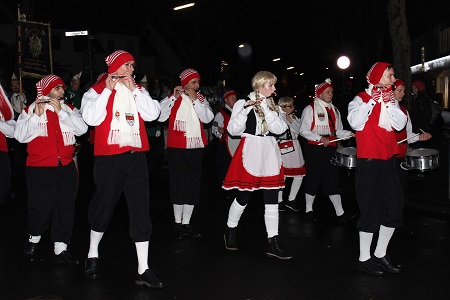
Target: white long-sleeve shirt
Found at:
203, 110
93, 105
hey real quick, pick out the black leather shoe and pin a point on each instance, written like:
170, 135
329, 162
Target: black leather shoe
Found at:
177, 231
230, 239
385, 263
292, 205
310, 216
188, 230
65, 258
345, 217
281, 206
30, 252
274, 249
370, 267
91, 267
149, 279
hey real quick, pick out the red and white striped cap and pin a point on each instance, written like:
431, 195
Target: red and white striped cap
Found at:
46, 84
228, 94
376, 72
321, 87
116, 59
102, 77
187, 75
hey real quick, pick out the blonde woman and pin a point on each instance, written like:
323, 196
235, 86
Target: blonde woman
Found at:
291, 153
256, 164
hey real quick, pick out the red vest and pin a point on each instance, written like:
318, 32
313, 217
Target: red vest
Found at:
226, 119
101, 146
177, 139
401, 135
3, 143
374, 141
44, 151
331, 124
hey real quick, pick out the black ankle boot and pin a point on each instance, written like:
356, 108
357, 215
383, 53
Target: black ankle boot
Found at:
274, 250
230, 239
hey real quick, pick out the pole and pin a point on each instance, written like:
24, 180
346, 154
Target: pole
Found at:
90, 57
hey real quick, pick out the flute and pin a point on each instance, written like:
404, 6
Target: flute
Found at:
120, 76
248, 105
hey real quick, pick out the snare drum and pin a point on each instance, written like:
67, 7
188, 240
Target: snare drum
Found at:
422, 159
346, 157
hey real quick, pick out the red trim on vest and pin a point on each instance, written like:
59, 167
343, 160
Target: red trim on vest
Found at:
177, 139
226, 120
3, 143
378, 142
313, 123
401, 135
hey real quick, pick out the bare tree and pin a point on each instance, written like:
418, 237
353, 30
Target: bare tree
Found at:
401, 41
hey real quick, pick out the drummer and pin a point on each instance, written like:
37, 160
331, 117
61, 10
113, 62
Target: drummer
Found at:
407, 136
321, 125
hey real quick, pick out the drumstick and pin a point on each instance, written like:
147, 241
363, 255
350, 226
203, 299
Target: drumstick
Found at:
422, 130
399, 142
344, 138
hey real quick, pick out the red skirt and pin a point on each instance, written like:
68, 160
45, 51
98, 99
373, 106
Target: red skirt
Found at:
238, 178
292, 172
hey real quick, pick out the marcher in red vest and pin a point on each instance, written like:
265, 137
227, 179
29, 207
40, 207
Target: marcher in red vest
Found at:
49, 127
321, 124
118, 107
187, 111
374, 115
226, 145
7, 123
404, 137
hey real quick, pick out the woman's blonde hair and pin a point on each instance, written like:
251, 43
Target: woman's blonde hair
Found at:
285, 101
261, 78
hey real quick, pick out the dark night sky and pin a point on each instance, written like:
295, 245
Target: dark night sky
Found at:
305, 34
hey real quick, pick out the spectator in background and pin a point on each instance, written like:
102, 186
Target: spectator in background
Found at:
420, 112
73, 93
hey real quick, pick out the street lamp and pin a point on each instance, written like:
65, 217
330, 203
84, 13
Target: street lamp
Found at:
343, 63
84, 32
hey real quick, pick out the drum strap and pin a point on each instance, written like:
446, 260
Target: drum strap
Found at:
333, 131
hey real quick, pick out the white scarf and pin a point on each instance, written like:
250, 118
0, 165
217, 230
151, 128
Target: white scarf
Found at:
381, 96
187, 121
321, 121
68, 136
124, 129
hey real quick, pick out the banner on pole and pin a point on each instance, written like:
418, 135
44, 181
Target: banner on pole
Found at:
36, 50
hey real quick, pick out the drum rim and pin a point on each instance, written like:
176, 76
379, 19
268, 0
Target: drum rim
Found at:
410, 154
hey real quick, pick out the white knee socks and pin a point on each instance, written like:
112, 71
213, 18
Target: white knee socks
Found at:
142, 256
384, 236
337, 203
235, 213
271, 219
187, 213
95, 239
365, 240
177, 212
295, 187
309, 199
59, 247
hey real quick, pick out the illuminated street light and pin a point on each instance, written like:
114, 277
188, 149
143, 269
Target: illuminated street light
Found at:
184, 6
343, 63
